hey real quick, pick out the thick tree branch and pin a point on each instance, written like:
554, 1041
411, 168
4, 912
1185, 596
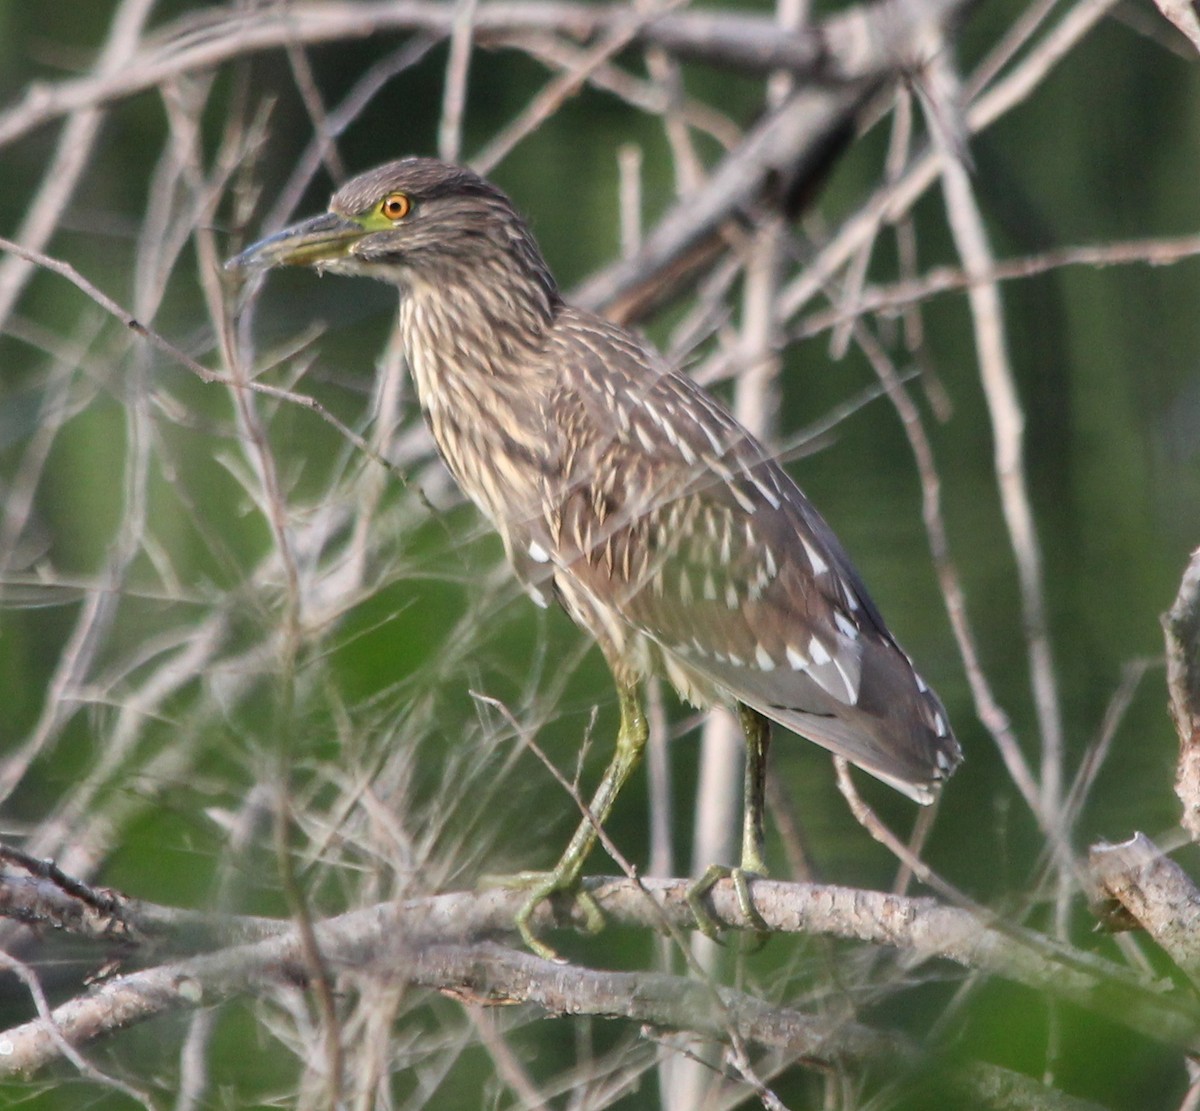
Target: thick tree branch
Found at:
925, 928
489, 973
1157, 893
497, 974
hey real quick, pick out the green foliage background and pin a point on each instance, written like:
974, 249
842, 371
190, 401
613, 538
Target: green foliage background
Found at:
1109, 373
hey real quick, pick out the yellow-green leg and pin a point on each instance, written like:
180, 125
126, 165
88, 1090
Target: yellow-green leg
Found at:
757, 732
631, 742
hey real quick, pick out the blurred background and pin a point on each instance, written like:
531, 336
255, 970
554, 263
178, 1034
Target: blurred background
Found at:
206, 595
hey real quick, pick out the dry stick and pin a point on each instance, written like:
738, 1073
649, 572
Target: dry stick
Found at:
1181, 628
66, 270
67, 679
314, 105
849, 298
63, 828
95, 616
1157, 892
375, 1043
687, 165
1132, 674
58, 405
384, 936
47, 896
718, 794
1008, 426
191, 990
71, 830
848, 46
178, 668
276, 511
781, 143
194, 1053
1191, 1101
694, 961
1183, 15
661, 856
784, 142
948, 577
509, 1068
922, 925
48, 1023
1008, 46
241, 387
896, 296
274, 508
558, 90
361, 93
100, 905
949, 581
385, 417
905, 854
1147, 25
900, 197
71, 154
646, 96
585, 811
273, 503
454, 97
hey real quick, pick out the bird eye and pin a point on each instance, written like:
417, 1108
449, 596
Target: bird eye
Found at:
395, 206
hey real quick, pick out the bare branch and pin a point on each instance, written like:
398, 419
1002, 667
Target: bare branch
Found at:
924, 927
1157, 893
378, 941
1181, 626
66, 270
855, 45
1183, 16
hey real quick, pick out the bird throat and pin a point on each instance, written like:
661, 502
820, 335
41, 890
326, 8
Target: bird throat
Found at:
476, 370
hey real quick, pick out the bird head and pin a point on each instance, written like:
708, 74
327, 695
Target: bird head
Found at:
415, 222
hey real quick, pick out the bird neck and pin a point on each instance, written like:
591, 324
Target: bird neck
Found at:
475, 353
472, 323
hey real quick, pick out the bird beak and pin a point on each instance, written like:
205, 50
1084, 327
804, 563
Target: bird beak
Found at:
322, 239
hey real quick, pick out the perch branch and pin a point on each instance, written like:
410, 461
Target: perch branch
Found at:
923, 927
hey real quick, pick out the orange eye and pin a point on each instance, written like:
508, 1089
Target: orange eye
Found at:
396, 206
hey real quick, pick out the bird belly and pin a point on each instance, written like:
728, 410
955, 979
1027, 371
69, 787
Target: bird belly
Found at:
693, 687
632, 654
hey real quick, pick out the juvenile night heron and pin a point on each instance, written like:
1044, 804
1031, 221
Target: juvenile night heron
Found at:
624, 491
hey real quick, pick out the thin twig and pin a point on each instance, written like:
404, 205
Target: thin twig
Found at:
66, 270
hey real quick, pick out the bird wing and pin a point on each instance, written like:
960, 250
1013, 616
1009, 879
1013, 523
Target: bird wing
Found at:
676, 518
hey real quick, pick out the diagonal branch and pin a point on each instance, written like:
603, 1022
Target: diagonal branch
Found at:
1181, 626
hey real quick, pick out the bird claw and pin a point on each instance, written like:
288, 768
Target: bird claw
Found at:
542, 887
741, 877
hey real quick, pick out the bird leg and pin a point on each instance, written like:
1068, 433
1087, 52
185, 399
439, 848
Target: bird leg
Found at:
631, 742
757, 731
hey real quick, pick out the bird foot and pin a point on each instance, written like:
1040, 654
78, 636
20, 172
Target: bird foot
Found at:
543, 886
741, 877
